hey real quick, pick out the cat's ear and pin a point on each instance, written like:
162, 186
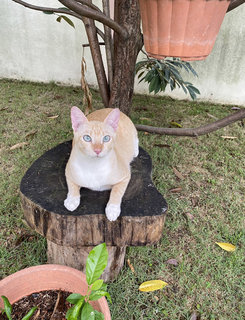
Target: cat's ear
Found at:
113, 118
77, 118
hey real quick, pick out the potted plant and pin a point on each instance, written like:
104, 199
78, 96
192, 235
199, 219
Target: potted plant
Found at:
181, 28
87, 289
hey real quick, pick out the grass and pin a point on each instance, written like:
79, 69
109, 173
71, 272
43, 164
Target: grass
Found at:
207, 280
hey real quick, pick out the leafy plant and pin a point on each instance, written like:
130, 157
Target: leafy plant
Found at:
8, 310
160, 73
95, 265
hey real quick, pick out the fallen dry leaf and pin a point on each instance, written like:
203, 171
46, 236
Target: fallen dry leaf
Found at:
189, 215
37, 314
235, 108
178, 174
193, 316
174, 262
53, 117
228, 137
130, 266
156, 298
226, 246
194, 201
152, 285
18, 145
176, 190
211, 116
31, 134
3, 108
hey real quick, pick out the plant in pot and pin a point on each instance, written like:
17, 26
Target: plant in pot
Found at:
181, 28
88, 297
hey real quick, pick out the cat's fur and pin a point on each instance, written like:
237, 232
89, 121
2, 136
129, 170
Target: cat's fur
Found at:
97, 164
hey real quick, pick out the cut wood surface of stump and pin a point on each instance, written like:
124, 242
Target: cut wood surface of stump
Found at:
43, 191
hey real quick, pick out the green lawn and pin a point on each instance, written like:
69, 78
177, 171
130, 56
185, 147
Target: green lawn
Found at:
207, 280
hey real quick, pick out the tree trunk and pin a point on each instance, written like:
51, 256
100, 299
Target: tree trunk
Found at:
127, 14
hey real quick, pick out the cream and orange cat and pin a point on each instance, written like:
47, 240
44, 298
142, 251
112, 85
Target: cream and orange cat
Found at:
104, 144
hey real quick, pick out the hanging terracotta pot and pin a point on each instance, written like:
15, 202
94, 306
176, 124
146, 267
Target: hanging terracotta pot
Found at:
48, 277
181, 28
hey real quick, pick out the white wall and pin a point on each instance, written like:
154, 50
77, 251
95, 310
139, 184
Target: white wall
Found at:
33, 46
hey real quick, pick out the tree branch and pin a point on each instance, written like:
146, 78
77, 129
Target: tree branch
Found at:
234, 4
38, 8
108, 44
89, 4
100, 33
95, 15
195, 132
97, 59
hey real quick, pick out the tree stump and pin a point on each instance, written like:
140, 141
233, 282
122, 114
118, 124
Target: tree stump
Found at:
71, 235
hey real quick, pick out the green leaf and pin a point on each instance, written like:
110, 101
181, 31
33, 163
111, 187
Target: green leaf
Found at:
194, 89
191, 68
7, 307
88, 312
141, 74
154, 84
64, 8
96, 263
99, 315
48, 12
175, 124
30, 313
76, 310
104, 287
69, 312
68, 21
191, 92
95, 295
97, 284
74, 298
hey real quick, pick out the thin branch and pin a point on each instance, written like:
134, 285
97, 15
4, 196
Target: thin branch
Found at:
47, 9
95, 15
86, 45
89, 4
108, 44
100, 33
234, 4
195, 132
97, 59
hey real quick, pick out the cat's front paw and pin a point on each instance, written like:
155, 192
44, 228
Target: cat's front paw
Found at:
71, 203
112, 211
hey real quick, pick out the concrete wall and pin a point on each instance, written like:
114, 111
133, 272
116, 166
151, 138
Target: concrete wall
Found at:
33, 46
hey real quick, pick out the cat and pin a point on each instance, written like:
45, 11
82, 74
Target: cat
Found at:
104, 144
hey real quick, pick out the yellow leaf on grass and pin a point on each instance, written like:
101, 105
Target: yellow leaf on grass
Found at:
152, 285
226, 246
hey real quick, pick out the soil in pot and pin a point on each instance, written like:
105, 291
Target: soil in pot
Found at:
51, 305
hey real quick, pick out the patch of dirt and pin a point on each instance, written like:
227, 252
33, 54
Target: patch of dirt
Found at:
51, 304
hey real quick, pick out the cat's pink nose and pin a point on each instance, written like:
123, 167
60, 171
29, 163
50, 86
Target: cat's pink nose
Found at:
97, 151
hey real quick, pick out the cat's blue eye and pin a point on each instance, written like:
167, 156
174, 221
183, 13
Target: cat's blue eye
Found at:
87, 138
106, 138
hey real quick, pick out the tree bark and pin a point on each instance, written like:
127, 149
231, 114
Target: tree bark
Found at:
127, 14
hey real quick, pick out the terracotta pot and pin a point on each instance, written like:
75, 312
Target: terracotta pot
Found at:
181, 28
48, 277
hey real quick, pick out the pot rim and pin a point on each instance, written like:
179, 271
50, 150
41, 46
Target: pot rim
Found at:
50, 277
